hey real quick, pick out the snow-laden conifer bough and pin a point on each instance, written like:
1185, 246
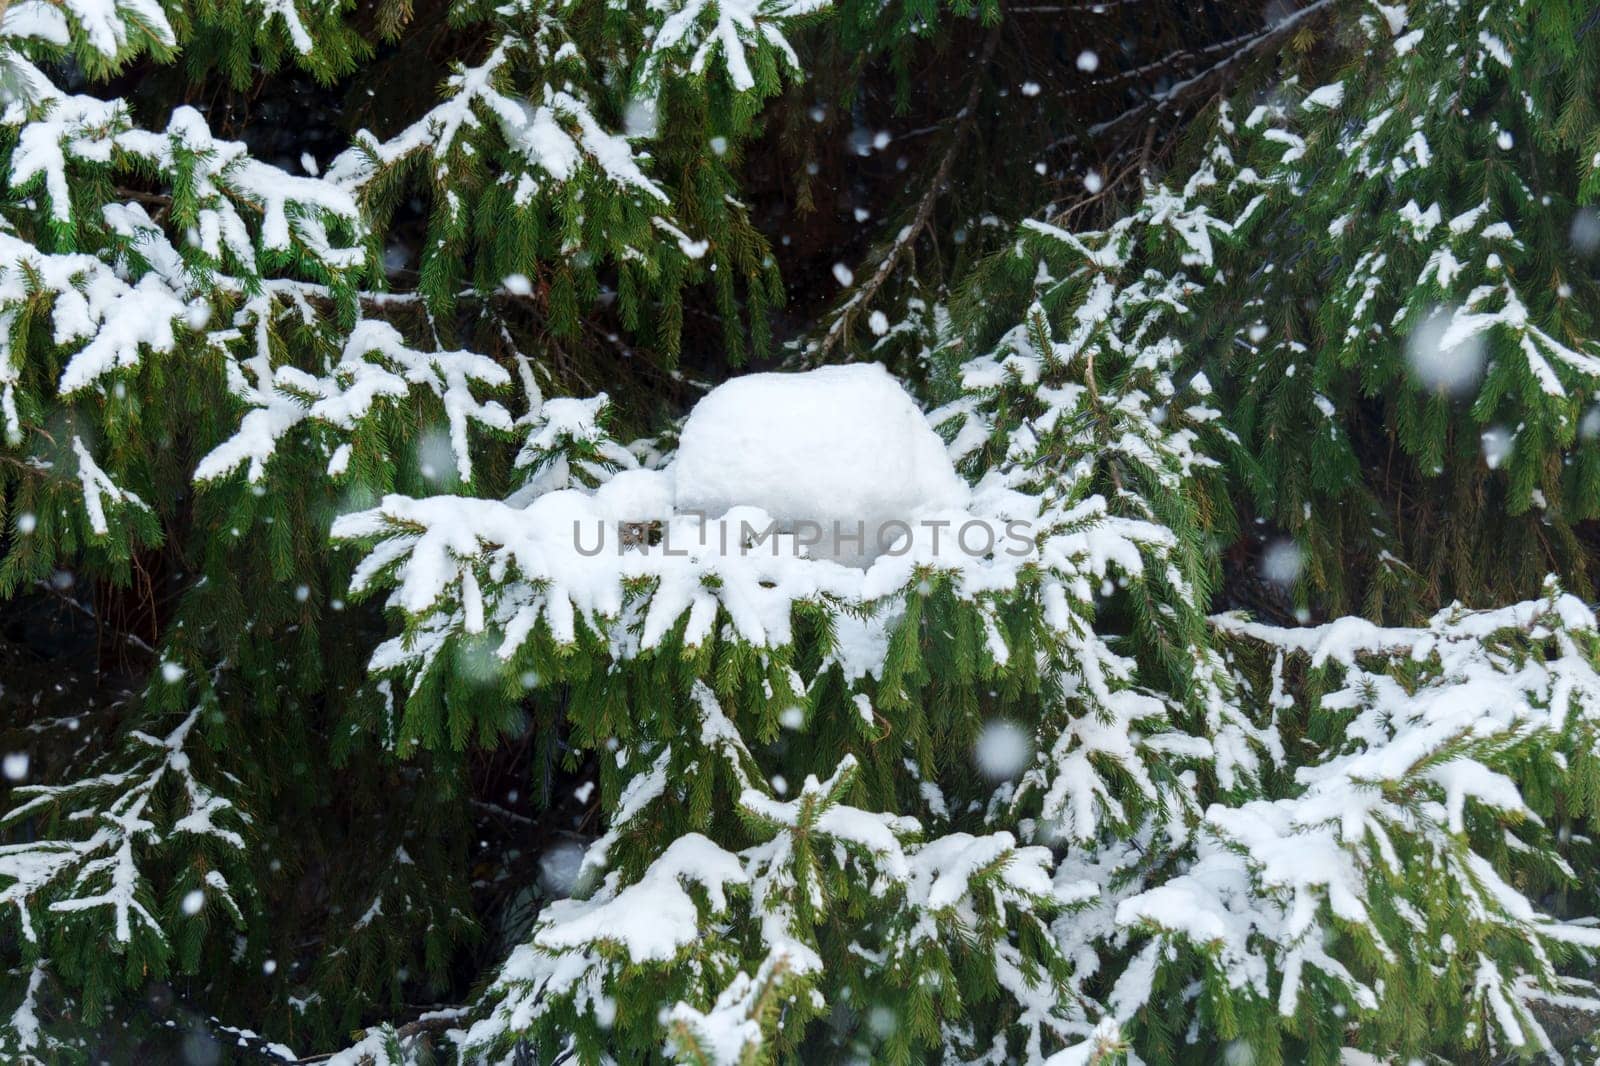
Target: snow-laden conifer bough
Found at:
986, 780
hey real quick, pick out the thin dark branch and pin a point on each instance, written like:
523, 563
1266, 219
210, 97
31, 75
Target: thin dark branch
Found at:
1161, 101
127, 638
840, 328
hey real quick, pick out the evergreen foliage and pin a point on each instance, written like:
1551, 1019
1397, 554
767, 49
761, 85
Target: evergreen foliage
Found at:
412, 773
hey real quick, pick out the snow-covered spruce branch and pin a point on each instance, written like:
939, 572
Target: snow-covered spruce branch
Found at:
376, 367
115, 822
954, 900
1415, 740
24, 1038
747, 35
464, 567
245, 224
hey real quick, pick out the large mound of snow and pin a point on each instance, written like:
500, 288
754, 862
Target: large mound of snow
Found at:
839, 445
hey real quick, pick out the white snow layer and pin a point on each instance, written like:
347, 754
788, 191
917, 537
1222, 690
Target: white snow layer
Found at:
841, 445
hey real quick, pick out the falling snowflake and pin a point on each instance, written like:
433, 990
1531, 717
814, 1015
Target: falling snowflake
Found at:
1282, 562
1003, 749
1442, 361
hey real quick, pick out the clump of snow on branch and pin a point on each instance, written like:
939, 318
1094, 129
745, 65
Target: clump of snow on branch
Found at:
844, 448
